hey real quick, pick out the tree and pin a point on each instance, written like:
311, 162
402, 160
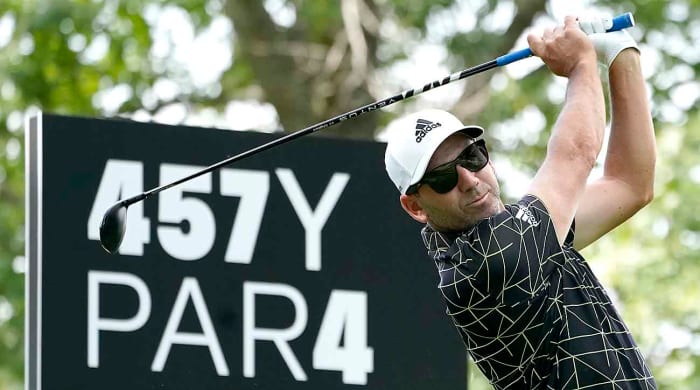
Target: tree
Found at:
313, 60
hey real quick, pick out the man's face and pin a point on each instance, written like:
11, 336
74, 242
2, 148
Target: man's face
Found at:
475, 197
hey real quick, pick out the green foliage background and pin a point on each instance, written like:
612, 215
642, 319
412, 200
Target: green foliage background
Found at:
50, 59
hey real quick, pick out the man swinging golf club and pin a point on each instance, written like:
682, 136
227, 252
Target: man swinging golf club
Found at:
525, 302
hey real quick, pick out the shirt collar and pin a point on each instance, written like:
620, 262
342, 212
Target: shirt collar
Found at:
437, 242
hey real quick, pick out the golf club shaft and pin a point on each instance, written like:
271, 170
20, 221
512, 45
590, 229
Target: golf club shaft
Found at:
322, 125
619, 22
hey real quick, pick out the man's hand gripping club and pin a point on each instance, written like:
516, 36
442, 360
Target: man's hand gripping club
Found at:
608, 45
564, 48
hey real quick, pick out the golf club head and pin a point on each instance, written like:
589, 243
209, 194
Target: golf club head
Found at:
113, 227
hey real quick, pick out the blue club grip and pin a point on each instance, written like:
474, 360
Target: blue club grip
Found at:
622, 22
514, 56
619, 22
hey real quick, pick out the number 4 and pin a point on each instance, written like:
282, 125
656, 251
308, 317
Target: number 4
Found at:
346, 312
121, 179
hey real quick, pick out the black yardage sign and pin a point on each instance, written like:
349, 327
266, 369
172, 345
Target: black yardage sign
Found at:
292, 269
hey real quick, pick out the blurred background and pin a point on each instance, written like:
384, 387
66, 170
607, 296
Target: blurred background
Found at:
281, 65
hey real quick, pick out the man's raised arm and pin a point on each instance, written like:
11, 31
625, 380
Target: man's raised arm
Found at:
627, 184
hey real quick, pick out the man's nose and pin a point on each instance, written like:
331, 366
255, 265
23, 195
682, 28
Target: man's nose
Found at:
466, 179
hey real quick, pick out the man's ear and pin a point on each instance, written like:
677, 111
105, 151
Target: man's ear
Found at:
413, 208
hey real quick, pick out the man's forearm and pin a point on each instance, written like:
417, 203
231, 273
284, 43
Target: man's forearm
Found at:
631, 153
581, 123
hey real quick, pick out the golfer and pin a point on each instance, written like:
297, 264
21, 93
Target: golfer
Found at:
528, 307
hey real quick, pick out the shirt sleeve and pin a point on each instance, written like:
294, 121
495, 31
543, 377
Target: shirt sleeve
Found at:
510, 255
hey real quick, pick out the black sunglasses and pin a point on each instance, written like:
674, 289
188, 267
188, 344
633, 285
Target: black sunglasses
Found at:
443, 178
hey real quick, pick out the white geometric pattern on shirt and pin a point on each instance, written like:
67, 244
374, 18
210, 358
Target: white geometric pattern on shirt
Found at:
531, 312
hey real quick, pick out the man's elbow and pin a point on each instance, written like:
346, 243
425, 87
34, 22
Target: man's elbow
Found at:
646, 188
643, 195
636, 193
646, 197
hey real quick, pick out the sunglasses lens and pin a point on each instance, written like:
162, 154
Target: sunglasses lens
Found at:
444, 178
475, 157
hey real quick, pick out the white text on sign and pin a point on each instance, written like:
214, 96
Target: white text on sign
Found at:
122, 178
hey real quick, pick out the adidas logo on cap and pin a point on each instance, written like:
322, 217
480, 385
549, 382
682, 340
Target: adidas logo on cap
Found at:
423, 127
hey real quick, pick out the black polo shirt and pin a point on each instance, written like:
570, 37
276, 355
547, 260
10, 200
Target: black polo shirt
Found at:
531, 312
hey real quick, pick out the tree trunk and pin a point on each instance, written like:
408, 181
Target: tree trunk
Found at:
309, 81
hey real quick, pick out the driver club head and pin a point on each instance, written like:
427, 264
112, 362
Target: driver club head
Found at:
113, 227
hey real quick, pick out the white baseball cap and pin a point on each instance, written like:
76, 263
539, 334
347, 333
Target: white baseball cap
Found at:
414, 141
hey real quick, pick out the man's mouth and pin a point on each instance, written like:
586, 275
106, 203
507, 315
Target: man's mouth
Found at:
478, 198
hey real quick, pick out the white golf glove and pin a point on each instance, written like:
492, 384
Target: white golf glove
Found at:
607, 45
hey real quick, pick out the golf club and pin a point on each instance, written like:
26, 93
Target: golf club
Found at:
113, 224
